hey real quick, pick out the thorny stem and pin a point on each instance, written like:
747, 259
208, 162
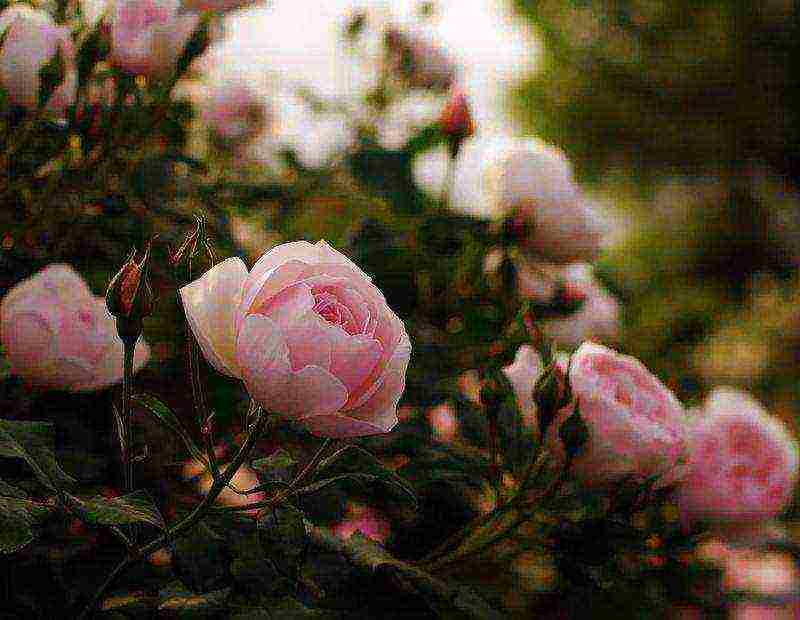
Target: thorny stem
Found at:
189, 521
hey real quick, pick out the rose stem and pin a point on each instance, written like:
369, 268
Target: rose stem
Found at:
189, 521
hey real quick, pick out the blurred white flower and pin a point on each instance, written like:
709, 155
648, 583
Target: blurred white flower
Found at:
406, 116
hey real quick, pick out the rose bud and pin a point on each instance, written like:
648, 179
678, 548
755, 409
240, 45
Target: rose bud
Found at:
309, 334
456, 121
149, 36
421, 63
129, 296
742, 465
635, 424
233, 112
526, 180
58, 335
37, 60
523, 375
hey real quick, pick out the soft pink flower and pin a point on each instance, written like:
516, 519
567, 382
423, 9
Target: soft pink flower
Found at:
31, 40
365, 519
523, 374
58, 335
233, 111
308, 333
148, 36
597, 318
743, 463
636, 425
501, 177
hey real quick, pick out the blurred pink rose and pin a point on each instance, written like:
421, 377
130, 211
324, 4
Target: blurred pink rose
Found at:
30, 41
523, 374
233, 111
743, 463
636, 425
530, 182
58, 335
597, 318
418, 60
365, 519
308, 333
148, 36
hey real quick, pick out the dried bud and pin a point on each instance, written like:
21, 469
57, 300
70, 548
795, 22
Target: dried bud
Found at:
196, 243
130, 297
551, 394
456, 121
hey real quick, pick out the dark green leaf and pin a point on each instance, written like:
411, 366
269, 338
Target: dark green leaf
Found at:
166, 416
202, 559
283, 537
8, 490
51, 76
136, 507
17, 520
277, 466
178, 602
33, 442
574, 433
359, 464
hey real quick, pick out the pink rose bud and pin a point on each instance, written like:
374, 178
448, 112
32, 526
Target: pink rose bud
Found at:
420, 62
636, 425
523, 375
456, 121
58, 335
234, 112
505, 177
308, 333
37, 60
149, 36
743, 462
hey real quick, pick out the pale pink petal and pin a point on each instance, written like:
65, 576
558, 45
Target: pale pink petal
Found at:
315, 391
326, 254
29, 342
523, 374
301, 251
263, 357
285, 307
210, 304
259, 289
354, 358
309, 342
169, 41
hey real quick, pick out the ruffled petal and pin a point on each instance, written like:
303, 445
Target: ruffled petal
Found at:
354, 358
210, 304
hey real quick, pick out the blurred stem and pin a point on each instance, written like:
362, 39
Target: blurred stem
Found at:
449, 178
189, 521
127, 392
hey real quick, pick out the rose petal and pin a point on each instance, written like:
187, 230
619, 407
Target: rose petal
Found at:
210, 304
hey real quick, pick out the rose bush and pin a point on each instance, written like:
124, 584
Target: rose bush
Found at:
636, 425
743, 462
308, 333
58, 335
30, 41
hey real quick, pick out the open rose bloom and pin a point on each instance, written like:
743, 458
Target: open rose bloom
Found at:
743, 462
308, 333
636, 425
30, 41
148, 36
58, 335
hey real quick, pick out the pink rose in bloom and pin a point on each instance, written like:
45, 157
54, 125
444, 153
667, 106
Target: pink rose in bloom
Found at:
58, 335
523, 374
636, 425
234, 112
743, 463
32, 40
308, 333
148, 36
530, 183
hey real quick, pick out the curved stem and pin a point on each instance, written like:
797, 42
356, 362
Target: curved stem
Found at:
189, 521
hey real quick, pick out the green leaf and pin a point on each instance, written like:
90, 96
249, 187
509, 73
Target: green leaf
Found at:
167, 417
8, 490
277, 466
17, 520
136, 507
51, 75
355, 463
574, 434
33, 442
283, 537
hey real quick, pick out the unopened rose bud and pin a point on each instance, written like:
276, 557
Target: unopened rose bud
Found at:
551, 394
130, 297
196, 246
456, 121
37, 60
